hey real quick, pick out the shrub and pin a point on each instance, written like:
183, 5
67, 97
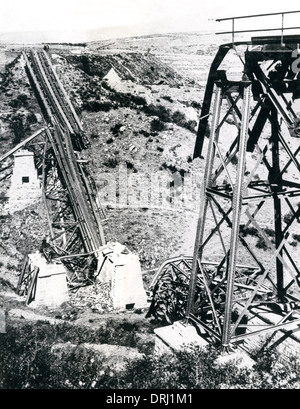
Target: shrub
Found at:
160, 111
251, 231
26, 362
157, 125
106, 86
15, 103
136, 99
131, 166
191, 125
20, 101
111, 163
123, 100
22, 97
196, 105
287, 217
18, 128
270, 232
31, 118
168, 98
145, 133
234, 160
261, 244
95, 106
10, 266
178, 118
165, 115
116, 128
85, 64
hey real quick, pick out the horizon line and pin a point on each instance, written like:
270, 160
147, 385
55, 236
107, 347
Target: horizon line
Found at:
117, 37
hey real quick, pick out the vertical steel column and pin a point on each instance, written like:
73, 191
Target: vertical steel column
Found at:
236, 213
282, 29
204, 200
275, 178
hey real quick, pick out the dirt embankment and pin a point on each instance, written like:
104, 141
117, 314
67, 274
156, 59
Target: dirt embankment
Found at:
145, 69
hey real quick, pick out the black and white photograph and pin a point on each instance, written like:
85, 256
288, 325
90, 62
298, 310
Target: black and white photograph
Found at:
149, 198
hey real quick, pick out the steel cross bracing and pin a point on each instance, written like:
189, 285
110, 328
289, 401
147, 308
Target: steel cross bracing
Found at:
245, 262
250, 198
74, 214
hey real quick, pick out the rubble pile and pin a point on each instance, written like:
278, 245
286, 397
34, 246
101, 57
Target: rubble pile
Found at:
96, 297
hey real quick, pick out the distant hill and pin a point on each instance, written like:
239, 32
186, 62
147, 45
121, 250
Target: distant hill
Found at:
91, 35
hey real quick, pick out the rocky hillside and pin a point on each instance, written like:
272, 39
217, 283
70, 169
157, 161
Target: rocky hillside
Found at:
189, 54
145, 69
20, 114
139, 115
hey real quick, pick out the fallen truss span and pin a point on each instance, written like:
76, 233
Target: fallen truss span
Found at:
74, 214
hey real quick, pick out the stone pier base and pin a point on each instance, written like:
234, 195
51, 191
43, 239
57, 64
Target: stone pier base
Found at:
51, 283
25, 186
121, 268
177, 336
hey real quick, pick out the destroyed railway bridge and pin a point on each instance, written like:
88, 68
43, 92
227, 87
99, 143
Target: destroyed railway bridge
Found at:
232, 295
74, 215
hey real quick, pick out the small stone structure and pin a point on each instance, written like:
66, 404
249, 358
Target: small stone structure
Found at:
112, 77
181, 335
25, 186
177, 336
239, 358
121, 268
51, 284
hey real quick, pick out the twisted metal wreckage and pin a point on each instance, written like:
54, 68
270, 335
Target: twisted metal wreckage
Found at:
74, 214
228, 282
246, 171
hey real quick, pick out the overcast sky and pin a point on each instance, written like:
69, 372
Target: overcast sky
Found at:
147, 15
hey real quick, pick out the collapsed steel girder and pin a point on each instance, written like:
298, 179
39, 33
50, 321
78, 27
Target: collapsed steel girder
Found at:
249, 201
76, 231
69, 193
65, 197
229, 193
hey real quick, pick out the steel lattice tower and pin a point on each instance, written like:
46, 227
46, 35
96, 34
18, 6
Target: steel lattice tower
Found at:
250, 195
243, 278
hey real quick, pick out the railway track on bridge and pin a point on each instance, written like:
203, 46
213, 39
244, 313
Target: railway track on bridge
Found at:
77, 219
